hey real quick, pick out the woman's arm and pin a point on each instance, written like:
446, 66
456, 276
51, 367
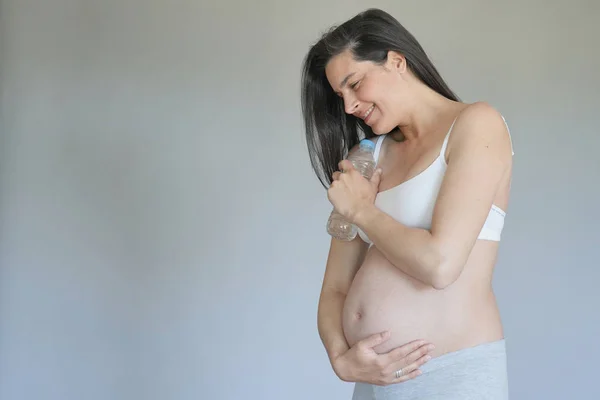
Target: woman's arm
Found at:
343, 261
479, 156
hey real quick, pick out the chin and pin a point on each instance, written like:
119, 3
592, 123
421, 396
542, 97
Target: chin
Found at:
377, 129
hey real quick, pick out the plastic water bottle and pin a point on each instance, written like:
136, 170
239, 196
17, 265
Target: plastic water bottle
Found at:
363, 162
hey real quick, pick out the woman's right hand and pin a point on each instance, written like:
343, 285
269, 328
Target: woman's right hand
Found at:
361, 363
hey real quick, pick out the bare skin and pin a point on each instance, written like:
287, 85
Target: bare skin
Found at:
432, 285
360, 362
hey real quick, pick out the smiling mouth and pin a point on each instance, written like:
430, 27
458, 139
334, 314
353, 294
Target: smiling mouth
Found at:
368, 113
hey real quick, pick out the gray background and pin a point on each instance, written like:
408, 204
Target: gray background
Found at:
162, 233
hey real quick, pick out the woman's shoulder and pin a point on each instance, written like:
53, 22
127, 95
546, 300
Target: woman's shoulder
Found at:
481, 119
480, 111
481, 114
482, 123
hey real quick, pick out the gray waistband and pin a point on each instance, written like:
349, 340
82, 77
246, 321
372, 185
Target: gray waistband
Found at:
485, 351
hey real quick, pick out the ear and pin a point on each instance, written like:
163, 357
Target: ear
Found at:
396, 61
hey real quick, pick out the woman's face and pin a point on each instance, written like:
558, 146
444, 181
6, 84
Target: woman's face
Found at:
375, 93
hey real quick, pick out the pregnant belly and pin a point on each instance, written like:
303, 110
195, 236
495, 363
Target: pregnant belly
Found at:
384, 298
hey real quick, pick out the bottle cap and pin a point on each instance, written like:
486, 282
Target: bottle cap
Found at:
367, 144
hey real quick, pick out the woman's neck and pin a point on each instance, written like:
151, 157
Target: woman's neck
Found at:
433, 111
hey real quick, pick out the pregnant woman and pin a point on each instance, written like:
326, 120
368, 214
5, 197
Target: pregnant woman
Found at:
407, 309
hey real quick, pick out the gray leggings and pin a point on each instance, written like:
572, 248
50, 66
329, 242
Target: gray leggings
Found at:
477, 372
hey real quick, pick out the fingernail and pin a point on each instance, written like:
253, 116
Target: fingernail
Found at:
430, 347
427, 358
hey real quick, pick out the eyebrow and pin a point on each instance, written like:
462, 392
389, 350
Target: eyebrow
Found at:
346, 79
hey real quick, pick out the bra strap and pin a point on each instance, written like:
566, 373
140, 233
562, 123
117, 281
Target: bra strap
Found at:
380, 139
509, 136
445, 144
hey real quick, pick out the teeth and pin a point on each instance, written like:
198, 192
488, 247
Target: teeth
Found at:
369, 111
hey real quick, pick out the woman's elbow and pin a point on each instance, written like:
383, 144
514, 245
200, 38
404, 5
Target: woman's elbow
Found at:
443, 271
442, 278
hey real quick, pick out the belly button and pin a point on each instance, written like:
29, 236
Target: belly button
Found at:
358, 315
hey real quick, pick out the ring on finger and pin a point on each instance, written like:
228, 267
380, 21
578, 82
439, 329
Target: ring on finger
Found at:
399, 373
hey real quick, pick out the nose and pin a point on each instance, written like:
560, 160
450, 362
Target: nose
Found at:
350, 104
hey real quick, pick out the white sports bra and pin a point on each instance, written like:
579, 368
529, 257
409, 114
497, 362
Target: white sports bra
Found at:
412, 202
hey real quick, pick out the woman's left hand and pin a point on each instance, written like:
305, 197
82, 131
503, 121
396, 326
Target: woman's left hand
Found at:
350, 192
